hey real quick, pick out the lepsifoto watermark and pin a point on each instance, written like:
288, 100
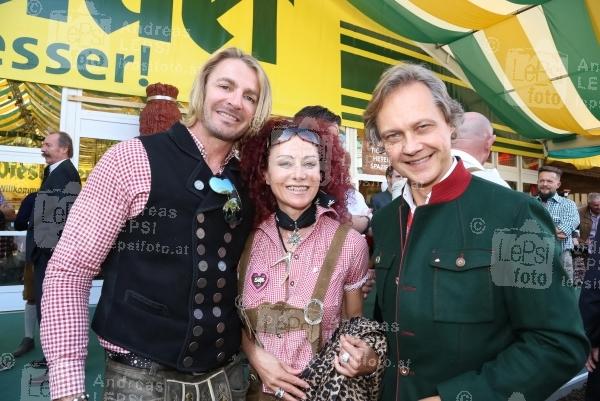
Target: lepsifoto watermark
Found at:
516, 397
522, 257
35, 384
530, 69
7, 361
464, 396
50, 214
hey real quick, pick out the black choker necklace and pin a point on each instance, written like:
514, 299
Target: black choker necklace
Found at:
307, 218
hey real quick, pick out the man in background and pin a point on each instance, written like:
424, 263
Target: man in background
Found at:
588, 218
355, 201
382, 198
562, 210
588, 225
30, 315
473, 144
60, 186
7, 244
589, 305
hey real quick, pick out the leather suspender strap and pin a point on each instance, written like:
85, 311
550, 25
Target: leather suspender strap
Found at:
330, 262
323, 281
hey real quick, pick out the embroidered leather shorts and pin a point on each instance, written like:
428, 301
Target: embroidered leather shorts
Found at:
123, 382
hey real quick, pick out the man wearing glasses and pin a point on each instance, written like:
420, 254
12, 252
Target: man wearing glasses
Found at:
161, 218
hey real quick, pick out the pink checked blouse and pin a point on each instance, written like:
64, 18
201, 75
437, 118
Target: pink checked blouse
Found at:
350, 273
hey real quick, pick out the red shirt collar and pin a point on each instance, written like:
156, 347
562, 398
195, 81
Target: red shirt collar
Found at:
452, 187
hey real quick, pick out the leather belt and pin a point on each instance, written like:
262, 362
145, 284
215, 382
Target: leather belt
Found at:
130, 359
136, 361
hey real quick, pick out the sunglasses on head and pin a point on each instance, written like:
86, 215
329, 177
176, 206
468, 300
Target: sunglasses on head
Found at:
232, 209
280, 135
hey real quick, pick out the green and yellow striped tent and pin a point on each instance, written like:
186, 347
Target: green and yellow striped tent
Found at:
535, 62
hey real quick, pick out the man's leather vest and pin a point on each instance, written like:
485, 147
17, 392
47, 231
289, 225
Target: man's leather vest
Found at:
170, 279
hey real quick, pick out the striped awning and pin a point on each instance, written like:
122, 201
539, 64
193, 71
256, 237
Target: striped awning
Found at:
535, 62
27, 111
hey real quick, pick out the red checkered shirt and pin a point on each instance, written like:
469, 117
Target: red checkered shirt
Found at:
116, 191
350, 273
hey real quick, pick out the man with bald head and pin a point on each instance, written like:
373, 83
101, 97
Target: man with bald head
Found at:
473, 144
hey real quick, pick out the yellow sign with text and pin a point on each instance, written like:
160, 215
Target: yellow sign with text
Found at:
121, 46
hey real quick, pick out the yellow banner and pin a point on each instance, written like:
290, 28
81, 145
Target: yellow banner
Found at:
18, 180
121, 46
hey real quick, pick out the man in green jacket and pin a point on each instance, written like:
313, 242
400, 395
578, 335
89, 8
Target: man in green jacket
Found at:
468, 272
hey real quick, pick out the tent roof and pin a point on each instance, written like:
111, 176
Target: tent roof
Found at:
535, 62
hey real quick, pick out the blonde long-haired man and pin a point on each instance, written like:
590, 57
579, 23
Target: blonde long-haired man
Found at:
164, 218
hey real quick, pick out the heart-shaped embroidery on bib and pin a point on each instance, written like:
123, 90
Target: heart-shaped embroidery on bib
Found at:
258, 280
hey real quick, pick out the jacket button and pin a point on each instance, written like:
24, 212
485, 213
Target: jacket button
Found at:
404, 371
199, 185
193, 347
220, 327
199, 298
188, 361
220, 356
378, 259
197, 331
219, 343
460, 261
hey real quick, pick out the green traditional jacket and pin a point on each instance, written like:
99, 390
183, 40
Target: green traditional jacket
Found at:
475, 306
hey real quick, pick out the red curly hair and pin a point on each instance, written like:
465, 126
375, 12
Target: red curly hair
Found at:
255, 155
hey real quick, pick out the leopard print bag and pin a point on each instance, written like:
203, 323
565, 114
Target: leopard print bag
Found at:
326, 384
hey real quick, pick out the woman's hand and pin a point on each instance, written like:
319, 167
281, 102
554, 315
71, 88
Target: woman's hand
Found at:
360, 358
276, 374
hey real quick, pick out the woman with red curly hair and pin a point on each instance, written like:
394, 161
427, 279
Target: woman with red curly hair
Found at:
302, 264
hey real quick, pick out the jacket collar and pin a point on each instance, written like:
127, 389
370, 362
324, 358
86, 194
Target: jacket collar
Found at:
55, 165
556, 198
451, 187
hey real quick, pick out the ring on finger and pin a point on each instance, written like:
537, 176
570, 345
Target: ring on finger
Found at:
279, 393
345, 357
